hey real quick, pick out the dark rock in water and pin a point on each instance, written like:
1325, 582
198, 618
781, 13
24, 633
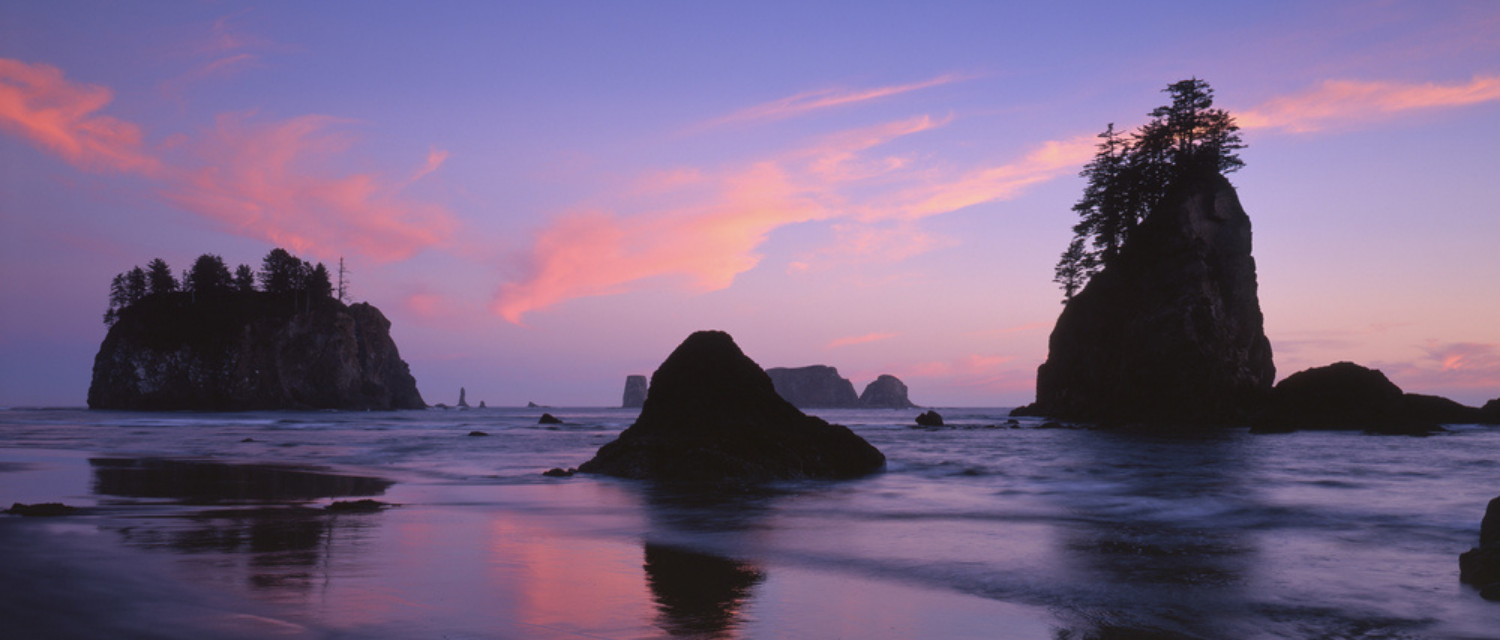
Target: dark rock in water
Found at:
886, 392
481, 404
1347, 396
1480, 566
356, 506
548, 418
441, 406
43, 509
463, 402
1490, 412
930, 419
248, 440
556, 472
533, 405
817, 386
712, 415
635, 392
478, 433
1171, 332
250, 353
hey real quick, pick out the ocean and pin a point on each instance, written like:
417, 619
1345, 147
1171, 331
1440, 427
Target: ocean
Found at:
196, 525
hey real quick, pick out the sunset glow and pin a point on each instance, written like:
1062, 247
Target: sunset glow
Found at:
543, 201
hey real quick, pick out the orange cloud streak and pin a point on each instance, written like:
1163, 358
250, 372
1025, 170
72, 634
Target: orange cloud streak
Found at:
57, 115
1338, 101
713, 238
826, 98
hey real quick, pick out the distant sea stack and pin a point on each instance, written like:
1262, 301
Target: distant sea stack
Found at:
712, 415
886, 392
635, 392
815, 387
1171, 331
164, 357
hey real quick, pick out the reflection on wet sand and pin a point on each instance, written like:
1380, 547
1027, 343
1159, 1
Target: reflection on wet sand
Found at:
697, 594
285, 547
207, 481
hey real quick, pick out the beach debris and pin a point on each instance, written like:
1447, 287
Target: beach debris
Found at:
930, 418
41, 509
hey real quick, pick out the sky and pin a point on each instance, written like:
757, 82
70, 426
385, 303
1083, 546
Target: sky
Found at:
547, 197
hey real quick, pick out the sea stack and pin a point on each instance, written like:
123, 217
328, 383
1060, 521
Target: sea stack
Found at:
712, 415
1171, 331
886, 392
635, 392
813, 387
251, 354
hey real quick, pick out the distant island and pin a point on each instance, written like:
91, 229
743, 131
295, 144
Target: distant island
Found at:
218, 340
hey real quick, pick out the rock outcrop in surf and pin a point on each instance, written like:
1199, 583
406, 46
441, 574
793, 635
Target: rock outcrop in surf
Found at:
1347, 396
635, 392
886, 392
713, 415
1171, 331
813, 387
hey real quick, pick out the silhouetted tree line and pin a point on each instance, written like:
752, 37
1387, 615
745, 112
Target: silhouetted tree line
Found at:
282, 277
1132, 173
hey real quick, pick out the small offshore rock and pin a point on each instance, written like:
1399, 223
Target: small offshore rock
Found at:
481, 405
636, 387
42, 509
556, 472
1480, 566
248, 440
356, 506
548, 418
930, 419
478, 433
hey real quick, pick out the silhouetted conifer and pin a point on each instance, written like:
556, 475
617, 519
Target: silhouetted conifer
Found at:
159, 278
1129, 177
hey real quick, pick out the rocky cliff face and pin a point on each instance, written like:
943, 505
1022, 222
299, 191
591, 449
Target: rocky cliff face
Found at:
712, 415
1172, 331
177, 356
886, 392
815, 387
635, 392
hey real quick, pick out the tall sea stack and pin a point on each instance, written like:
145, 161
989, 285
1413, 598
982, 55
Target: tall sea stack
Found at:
1171, 331
635, 392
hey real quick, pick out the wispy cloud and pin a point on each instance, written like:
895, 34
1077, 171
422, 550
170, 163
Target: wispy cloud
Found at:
1459, 368
809, 101
714, 221
269, 180
272, 180
1339, 102
39, 104
864, 339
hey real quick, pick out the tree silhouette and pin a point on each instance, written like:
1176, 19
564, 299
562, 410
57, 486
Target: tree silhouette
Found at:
280, 273
159, 278
209, 276
244, 279
319, 284
1129, 177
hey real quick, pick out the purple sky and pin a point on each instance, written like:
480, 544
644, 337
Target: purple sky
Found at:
544, 198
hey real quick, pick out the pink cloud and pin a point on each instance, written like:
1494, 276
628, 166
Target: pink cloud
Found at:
973, 371
40, 105
272, 181
700, 228
1341, 101
808, 101
864, 339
